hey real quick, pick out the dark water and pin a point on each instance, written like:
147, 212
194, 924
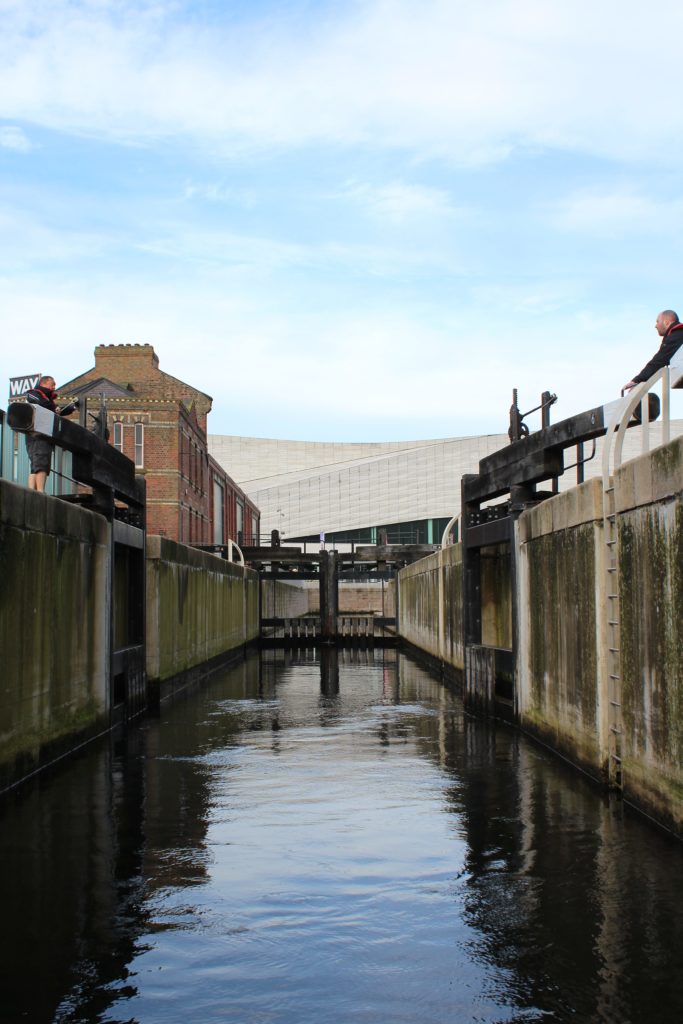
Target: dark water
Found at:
283, 847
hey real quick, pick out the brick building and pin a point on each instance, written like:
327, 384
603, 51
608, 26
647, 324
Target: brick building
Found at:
160, 423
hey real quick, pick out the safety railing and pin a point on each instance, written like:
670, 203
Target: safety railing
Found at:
623, 410
14, 464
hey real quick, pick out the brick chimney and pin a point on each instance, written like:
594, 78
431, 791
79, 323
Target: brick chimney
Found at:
124, 363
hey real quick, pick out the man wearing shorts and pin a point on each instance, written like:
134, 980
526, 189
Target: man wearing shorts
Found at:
39, 448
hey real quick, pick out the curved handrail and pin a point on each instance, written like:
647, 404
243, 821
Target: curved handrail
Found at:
446, 532
234, 546
623, 411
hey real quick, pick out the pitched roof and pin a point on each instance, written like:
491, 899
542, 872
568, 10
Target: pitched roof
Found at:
101, 386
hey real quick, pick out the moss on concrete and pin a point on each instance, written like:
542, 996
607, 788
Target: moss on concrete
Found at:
418, 605
496, 596
53, 622
199, 608
651, 592
562, 655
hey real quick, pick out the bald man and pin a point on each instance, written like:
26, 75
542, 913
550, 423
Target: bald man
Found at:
670, 330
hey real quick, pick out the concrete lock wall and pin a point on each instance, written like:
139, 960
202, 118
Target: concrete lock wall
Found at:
280, 600
283, 600
430, 605
199, 607
367, 598
496, 596
54, 628
561, 680
561, 602
562, 672
649, 500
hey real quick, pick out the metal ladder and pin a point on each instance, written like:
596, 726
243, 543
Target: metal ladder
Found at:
621, 414
613, 635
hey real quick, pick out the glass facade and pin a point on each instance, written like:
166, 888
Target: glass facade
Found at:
418, 531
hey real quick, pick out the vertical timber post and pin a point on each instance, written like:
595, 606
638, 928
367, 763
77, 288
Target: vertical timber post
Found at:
471, 597
329, 598
470, 572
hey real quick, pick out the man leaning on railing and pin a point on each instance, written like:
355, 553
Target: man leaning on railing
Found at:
670, 330
39, 448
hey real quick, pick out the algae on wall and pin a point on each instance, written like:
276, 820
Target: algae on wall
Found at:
560, 701
199, 607
54, 627
496, 596
651, 601
430, 605
281, 600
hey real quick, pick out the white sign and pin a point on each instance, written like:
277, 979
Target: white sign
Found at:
18, 386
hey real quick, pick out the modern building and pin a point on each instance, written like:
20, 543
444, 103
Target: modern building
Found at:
160, 423
401, 492
397, 492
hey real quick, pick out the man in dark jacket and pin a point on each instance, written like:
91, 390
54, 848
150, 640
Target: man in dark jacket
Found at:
670, 331
39, 448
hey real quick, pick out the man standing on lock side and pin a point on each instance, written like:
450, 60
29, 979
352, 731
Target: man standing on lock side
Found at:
39, 448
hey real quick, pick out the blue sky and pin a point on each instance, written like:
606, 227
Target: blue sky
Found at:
361, 220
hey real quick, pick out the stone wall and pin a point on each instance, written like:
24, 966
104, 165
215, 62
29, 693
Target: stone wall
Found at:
367, 598
280, 600
562, 673
199, 608
54, 628
430, 605
283, 600
561, 602
496, 596
561, 677
649, 496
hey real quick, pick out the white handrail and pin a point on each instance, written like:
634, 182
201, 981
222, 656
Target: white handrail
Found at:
446, 532
233, 546
623, 409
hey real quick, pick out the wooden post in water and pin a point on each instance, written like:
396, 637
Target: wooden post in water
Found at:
329, 597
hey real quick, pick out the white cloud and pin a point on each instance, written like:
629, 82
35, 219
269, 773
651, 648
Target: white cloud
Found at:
265, 367
444, 77
218, 192
534, 298
14, 138
27, 240
399, 202
617, 213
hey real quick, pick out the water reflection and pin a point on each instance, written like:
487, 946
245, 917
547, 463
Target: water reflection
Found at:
325, 835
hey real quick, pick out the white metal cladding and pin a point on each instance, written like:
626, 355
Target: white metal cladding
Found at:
303, 487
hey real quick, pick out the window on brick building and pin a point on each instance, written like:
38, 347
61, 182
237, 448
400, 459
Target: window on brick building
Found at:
254, 529
118, 436
240, 522
218, 513
139, 445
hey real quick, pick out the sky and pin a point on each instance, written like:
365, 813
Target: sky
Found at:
354, 220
